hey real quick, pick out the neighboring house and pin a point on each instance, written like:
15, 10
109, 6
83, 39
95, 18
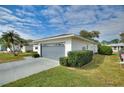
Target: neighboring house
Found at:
2, 48
117, 47
59, 46
27, 48
16, 48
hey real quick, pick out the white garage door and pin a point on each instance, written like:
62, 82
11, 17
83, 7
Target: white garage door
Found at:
53, 51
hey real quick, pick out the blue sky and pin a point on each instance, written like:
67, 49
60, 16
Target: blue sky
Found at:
34, 22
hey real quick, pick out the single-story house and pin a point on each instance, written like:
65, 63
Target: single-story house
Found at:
59, 46
117, 47
2, 48
25, 48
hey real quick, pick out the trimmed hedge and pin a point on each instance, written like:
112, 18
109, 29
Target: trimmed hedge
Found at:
64, 61
35, 55
77, 58
105, 50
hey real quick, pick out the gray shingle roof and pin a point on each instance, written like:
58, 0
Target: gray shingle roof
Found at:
63, 36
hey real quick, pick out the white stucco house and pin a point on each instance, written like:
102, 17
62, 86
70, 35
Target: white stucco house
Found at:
2, 48
25, 48
59, 46
117, 47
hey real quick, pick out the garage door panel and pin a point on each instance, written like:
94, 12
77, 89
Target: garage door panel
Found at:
53, 52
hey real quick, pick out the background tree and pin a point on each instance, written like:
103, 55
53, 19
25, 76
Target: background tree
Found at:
85, 34
104, 42
94, 34
122, 37
89, 35
115, 41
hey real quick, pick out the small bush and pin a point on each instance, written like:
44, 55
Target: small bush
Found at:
79, 58
105, 50
64, 61
35, 55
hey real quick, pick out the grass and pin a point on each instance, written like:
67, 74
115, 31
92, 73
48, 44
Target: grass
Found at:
6, 57
102, 71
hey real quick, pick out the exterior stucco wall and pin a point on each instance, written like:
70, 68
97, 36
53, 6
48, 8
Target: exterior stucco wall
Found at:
114, 49
27, 48
68, 46
16, 48
23, 49
78, 44
34, 48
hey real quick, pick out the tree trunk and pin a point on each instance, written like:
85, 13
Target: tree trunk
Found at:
13, 50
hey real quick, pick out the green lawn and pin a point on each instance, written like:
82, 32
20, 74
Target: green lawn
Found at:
102, 71
6, 57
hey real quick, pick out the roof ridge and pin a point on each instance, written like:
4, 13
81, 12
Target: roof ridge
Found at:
56, 36
65, 35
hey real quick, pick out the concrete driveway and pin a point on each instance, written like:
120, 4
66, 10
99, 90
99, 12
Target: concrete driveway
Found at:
19, 69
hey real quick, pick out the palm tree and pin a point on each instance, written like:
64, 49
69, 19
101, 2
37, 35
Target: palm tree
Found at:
22, 42
10, 39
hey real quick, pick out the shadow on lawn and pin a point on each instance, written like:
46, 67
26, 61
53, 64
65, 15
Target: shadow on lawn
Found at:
96, 62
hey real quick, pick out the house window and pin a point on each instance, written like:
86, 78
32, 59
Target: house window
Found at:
87, 47
36, 48
114, 47
122, 47
59, 44
83, 48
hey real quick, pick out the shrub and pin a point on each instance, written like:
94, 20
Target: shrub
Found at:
79, 58
64, 61
35, 55
105, 50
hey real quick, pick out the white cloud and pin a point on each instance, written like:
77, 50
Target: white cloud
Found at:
24, 13
110, 29
56, 20
25, 34
9, 17
49, 12
3, 21
21, 25
52, 11
5, 10
28, 20
6, 14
